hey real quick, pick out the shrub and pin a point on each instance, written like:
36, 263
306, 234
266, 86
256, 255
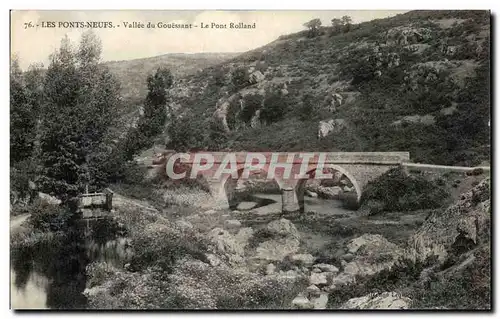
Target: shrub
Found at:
240, 78
47, 217
275, 107
307, 109
188, 133
162, 245
395, 191
20, 176
197, 285
252, 102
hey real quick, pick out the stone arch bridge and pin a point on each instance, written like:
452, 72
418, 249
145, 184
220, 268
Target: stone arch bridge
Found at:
359, 167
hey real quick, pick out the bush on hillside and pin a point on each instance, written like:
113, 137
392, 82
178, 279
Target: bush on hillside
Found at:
240, 78
47, 217
396, 191
187, 133
275, 108
162, 245
252, 102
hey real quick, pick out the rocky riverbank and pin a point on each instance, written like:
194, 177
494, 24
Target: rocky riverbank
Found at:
233, 259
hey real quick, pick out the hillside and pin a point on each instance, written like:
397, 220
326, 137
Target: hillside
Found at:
416, 82
133, 73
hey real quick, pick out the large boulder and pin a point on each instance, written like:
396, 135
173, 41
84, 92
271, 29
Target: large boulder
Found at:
220, 115
303, 259
232, 224
255, 121
418, 119
328, 127
284, 241
372, 254
222, 107
463, 225
405, 35
336, 102
246, 205
318, 279
256, 77
302, 302
386, 300
327, 268
46, 198
320, 301
225, 242
183, 224
277, 249
283, 228
330, 192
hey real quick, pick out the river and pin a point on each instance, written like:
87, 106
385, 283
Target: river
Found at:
53, 276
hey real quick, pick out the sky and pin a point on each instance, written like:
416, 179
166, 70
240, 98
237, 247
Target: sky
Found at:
35, 44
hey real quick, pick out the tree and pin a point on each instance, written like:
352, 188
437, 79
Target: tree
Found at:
337, 25
24, 105
21, 116
153, 120
347, 23
188, 134
33, 79
313, 27
81, 100
155, 112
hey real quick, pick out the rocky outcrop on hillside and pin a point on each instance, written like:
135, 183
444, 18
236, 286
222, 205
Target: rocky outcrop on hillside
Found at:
462, 226
386, 300
331, 126
366, 255
420, 119
405, 35
428, 73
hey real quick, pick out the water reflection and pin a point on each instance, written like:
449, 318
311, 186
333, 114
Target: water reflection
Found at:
52, 274
31, 294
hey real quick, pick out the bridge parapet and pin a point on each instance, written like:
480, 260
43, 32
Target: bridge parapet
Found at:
376, 158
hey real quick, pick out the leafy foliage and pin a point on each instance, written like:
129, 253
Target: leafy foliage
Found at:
23, 114
252, 103
275, 107
155, 113
239, 78
153, 121
81, 99
46, 217
395, 191
313, 27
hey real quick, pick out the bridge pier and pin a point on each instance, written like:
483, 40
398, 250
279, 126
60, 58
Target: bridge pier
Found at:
290, 202
221, 196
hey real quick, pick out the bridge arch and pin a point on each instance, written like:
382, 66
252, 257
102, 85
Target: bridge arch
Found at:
301, 184
228, 186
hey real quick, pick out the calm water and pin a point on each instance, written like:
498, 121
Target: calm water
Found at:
53, 275
270, 203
